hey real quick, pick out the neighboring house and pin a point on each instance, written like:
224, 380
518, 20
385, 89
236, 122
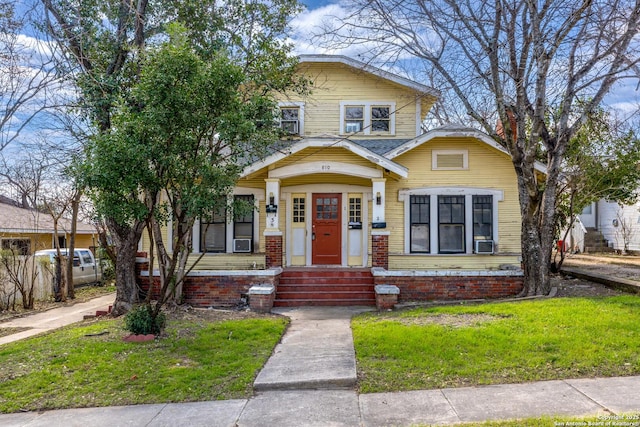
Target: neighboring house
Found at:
28, 230
361, 189
608, 226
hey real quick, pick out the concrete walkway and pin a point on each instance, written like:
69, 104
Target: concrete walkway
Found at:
309, 382
55, 318
316, 352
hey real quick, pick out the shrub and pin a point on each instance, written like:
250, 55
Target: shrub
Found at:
141, 321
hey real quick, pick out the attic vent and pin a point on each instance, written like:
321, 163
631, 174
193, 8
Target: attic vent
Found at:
450, 160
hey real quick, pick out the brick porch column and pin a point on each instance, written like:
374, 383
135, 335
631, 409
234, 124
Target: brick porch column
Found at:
273, 249
380, 249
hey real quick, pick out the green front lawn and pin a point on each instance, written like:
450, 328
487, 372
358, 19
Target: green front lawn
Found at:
496, 343
90, 365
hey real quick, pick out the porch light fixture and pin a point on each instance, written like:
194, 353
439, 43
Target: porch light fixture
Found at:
378, 198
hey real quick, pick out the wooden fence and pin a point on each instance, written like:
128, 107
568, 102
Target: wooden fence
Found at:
29, 272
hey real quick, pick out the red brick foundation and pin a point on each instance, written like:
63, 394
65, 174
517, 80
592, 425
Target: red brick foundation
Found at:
215, 289
426, 288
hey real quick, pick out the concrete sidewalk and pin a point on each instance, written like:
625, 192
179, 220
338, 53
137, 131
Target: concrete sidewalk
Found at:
55, 318
309, 381
608, 398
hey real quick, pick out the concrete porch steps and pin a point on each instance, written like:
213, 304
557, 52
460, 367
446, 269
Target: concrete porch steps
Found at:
325, 287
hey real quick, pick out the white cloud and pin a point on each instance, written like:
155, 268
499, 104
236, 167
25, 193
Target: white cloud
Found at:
310, 27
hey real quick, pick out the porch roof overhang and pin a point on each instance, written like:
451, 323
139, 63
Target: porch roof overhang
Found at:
332, 142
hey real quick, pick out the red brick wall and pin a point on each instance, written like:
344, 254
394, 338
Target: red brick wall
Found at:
220, 291
212, 291
273, 251
380, 251
453, 287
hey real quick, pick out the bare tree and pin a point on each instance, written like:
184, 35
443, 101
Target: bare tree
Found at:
624, 231
25, 172
521, 62
27, 74
21, 273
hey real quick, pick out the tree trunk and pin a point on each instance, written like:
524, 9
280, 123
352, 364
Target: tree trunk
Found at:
535, 262
126, 239
75, 207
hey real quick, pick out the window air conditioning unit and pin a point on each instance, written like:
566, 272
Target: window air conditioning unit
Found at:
484, 246
241, 245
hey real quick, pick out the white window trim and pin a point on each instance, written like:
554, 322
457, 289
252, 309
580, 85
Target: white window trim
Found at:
434, 192
300, 106
434, 159
258, 195
367, 115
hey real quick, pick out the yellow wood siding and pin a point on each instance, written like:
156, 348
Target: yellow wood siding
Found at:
488, 169
325, 154
165, 235
333, 82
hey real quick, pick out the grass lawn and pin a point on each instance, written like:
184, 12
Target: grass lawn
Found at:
90, 365
495, 343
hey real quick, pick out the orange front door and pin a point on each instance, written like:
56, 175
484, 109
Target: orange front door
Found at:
326, 245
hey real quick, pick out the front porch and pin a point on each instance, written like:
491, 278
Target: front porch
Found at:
339, 286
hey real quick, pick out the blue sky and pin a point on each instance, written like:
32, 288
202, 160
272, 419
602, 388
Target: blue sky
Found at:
314, 4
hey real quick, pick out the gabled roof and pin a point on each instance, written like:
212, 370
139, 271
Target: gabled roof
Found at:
15, 219
449, 131
330, 142
386, 75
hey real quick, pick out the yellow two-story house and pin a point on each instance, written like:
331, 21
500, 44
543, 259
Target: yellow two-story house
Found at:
361, 187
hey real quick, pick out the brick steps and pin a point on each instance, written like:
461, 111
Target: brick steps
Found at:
325, 303
323, 295
326, 287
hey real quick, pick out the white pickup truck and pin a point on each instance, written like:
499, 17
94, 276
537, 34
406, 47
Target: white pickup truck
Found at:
85, 268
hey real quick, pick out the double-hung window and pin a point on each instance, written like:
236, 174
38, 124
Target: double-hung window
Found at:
380, 119
243, 222
451, 233
290, 120
353, 119
213, 230
419, 224
483, 217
